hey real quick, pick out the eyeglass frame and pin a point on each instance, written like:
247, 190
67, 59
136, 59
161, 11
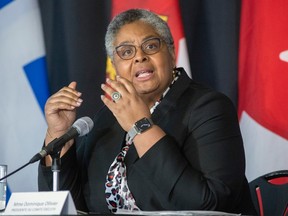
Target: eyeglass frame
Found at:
141, 46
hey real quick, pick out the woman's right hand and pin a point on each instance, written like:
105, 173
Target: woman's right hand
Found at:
60, 112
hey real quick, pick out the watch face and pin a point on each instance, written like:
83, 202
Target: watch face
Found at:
143, 124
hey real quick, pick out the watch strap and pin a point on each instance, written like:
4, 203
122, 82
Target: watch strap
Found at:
132, 133
135, 130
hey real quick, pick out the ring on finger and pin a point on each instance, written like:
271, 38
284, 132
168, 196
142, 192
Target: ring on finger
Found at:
116, 96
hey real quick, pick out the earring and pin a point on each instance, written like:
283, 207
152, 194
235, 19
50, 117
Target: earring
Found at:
174, 72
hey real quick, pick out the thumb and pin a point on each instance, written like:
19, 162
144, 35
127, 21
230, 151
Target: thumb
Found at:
72, 85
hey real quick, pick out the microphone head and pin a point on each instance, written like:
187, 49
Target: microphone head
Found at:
83, 125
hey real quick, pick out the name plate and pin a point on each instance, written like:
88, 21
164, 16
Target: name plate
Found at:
41, 203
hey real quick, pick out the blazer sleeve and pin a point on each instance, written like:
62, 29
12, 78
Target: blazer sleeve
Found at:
205, 168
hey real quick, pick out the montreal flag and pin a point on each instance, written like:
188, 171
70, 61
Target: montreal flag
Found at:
24, 90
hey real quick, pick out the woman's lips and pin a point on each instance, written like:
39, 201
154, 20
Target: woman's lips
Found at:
143, 73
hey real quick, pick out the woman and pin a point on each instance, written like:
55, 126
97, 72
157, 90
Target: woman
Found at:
161, 142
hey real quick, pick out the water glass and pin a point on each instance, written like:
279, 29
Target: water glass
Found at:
3, 187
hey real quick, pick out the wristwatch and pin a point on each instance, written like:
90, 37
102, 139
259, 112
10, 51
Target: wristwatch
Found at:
139, 127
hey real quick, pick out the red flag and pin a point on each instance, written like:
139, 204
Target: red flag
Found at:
263, 91
169, 11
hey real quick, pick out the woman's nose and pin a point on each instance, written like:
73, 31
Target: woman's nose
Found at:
140, 56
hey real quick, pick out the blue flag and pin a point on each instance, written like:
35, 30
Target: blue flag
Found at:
24, 90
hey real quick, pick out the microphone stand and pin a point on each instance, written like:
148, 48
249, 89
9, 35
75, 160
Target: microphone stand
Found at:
15, 171
56, 167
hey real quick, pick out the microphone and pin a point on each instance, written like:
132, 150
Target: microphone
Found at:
81, 127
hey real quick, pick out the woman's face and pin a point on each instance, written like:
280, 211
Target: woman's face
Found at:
149, 74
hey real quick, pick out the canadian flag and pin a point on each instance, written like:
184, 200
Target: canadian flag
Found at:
169, 11
263, 85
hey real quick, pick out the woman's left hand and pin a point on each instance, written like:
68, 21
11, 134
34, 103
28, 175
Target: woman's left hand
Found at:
129, 107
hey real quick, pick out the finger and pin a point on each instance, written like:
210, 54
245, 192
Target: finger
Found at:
69, 92
109, 91
56, 106
66, 98
115, 85
108, 102
65, 93
71, 88
67, 101
73, 85
125, 83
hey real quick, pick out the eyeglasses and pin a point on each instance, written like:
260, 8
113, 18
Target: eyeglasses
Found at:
149, 47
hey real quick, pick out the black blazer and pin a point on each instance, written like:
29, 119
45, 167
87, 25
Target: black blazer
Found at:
198, 165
